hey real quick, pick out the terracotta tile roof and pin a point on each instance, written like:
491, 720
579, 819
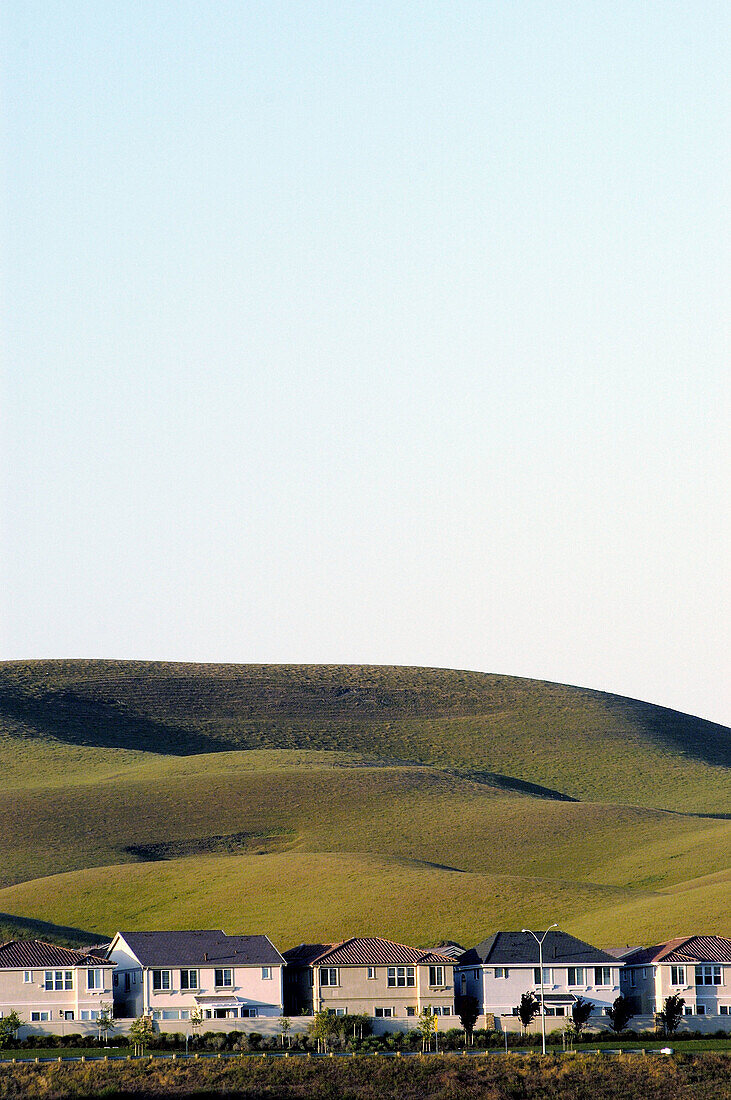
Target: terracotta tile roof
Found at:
19, 954
370, 951
682, 949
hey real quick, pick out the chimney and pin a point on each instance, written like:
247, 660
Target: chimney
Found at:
205, 956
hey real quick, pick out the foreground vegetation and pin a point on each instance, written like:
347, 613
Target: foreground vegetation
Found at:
152, 795
606, 1077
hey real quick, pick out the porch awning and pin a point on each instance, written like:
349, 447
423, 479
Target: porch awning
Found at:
219, 1002
557, 998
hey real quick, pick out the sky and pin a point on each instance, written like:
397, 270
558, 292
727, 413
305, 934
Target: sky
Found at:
370, 332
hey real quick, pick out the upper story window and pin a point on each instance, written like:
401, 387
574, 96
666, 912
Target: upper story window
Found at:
27, 976
547, 978
95, 979
632, 977
602, 975
223, 978
476, 975
329, 975
436, 975
160, 980
371, 972
677, 975
708, 975
501, 971
576, 975
266, 972
403, 975
59, 979
189, 979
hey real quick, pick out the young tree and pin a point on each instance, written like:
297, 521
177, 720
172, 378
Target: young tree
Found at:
671, 1015
323, 1027
620, 1013
427, 1027
105, 1020
8, 1028
581, 1010
468, 1009
285, 1026
527, 1010
140, 1033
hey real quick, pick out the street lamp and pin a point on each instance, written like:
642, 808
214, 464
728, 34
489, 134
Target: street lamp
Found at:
540, 963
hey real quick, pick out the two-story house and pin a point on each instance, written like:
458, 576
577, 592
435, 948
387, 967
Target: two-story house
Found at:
369, 976
167, 974
696, 968
46, 984
507, 964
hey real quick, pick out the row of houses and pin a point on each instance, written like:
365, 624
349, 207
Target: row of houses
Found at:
176, 976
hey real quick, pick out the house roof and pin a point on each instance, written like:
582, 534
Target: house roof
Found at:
17, 954
364, 951
521, 949
201, 948
682, 949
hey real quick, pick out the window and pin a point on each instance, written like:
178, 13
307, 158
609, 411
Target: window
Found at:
411, 1010
126, 983
27, 976
89, 1014
160, 979
341, 1012
576, 975
189, 979
688, 1010
476, 975
250, 1013
708, 975
436, 975
266, 973
329, 975
223, 979
95, 979
37, 1017
442, 1010
371, 972
560, 1010
632, 978
700, 1010
547, 979
403, 975
677, 975
59, 979
384, 1012
67, 1015
115, 980
602, 975
185, 1014
170, 1014
724, 1010
501, 972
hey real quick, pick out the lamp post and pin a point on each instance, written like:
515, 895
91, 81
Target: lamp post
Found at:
540, 963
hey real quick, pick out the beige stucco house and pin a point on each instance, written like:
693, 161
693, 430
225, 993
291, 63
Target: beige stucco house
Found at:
696, 968
369, 976
46, 984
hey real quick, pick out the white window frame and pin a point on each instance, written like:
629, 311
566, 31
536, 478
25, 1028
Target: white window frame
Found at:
266, 973
400, 976
329, 976
677, 975
371, 973
436, 976
164, 975
579, 982
185, 983
27, 977
502, 972
227, 977
95, 979
547, 975
706, 971
602, 970
383, 1013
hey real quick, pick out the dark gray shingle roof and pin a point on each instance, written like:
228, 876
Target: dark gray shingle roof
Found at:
520, 949
201, 948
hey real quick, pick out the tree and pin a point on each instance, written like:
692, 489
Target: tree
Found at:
427, 1027
527, 1009
323, 1027
620, 1013
671, 1015
141, 1033
105, 1020
8, 1028
581, 1010
285, 1026
468, 1009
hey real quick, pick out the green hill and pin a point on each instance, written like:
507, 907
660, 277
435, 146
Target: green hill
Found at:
462, 801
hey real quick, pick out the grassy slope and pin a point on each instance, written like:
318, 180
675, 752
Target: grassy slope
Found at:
111, 763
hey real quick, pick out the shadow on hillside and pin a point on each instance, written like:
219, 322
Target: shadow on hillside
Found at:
520, 786
694, 737
69, 717
226, 844
26, 928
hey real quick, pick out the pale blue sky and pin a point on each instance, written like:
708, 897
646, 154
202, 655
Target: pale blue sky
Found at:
370, 332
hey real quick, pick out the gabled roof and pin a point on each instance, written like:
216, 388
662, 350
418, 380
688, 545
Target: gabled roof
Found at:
364, 951
521, 949
17, 954
201, 948
682, 949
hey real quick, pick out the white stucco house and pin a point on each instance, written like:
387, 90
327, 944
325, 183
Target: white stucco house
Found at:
695, 968
166, 974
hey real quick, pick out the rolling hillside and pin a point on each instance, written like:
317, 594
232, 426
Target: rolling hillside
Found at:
421, 803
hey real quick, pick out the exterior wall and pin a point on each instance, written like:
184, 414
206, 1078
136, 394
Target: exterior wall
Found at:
357, 993
134, 994
652, 984
32, 996
502, 995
